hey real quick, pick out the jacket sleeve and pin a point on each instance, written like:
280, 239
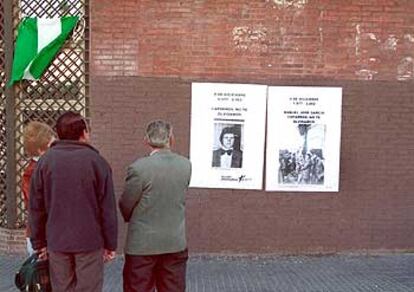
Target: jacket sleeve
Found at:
37, 211
131, 195
190, 170
108, 212
27, 174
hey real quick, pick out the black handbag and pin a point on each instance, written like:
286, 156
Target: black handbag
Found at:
33, 275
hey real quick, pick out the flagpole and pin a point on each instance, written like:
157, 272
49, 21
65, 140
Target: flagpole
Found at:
11, 194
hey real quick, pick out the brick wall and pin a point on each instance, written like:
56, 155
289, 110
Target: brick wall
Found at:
145, 54
254, 40
12, 241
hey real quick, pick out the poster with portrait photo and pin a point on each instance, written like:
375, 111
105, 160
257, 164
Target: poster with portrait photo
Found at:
303, 139
227, 135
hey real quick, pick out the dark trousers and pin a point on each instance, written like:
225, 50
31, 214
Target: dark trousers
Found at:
73, 272
166, 272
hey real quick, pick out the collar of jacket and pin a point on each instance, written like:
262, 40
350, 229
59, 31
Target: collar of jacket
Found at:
72, 143
160, 150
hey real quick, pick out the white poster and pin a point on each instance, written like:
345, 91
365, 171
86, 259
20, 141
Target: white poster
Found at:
227, 135
303, 139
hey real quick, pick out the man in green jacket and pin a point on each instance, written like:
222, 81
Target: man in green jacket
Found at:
153, 204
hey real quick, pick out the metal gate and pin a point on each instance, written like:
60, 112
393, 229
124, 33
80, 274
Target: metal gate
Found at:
63, 87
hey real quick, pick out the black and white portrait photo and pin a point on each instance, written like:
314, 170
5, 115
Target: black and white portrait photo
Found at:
227, 151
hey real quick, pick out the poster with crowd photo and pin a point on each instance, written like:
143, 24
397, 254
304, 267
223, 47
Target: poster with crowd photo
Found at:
303, 139
227, 135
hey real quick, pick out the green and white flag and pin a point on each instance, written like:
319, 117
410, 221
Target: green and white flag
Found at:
38, 42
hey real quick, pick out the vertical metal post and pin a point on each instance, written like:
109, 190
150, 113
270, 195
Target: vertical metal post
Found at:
11, 199
86, 56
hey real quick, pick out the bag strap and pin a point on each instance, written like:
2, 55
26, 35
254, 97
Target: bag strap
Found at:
31, 259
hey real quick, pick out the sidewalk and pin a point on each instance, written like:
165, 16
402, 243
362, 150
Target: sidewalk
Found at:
339, 273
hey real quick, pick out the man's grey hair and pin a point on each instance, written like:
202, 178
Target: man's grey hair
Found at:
158, 133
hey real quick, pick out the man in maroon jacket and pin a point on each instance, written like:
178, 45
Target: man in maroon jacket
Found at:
72, 208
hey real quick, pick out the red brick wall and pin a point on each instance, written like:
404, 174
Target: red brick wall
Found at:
145, 54
254, 40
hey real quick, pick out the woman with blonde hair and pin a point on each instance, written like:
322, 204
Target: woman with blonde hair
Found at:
37, 138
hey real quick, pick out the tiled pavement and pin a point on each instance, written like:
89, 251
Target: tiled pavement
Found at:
338, 273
